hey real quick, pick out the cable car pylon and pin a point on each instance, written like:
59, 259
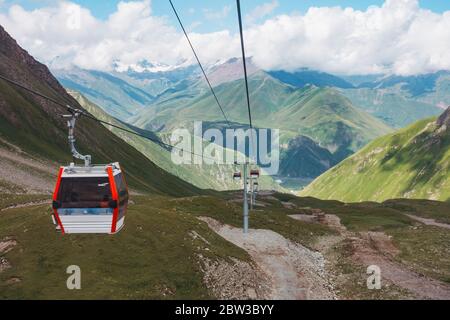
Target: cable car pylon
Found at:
246, 164
251, 186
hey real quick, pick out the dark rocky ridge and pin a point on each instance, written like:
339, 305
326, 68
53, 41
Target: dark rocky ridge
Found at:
444, 119
10, 48
304, 158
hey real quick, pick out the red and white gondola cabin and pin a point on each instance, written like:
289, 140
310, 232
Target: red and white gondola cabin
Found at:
90, 199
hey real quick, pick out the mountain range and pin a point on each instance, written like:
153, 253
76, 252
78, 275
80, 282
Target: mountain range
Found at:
339, 113
429, 90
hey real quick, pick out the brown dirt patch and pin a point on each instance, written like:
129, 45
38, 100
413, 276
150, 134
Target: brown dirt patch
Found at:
13, 280
7, 245
304, 217
377, 248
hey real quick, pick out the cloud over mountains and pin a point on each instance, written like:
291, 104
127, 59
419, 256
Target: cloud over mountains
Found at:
398, 37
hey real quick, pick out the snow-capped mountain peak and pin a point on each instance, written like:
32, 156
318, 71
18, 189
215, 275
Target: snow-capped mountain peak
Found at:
148, 66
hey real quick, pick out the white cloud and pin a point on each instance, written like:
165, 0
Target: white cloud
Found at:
194, 25
129, 35
398, 37
217, 15
262, 11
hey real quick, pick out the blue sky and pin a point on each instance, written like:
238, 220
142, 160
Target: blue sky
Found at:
195, 13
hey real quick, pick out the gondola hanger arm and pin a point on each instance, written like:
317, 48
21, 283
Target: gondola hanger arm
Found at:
71, 121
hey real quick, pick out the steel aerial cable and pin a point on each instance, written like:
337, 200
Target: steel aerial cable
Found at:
141, 135
36, 93
89, 116
241, 32
199, 63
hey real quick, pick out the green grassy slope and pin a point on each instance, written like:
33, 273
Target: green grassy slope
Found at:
154, 257
329, 118
195, 102
35, 126
411, 163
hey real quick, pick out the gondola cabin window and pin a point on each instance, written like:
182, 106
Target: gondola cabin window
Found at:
90, 195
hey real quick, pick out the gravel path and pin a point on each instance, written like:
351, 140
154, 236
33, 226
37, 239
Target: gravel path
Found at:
28, 204
294, 272
429, 222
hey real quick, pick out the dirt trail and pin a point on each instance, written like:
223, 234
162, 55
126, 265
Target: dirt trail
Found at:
294, 272
20, 158
28, 204
376, 248
20, 170
423, 287
429, 222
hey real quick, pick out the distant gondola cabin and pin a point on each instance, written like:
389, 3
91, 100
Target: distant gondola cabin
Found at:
254, 173
237, 176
